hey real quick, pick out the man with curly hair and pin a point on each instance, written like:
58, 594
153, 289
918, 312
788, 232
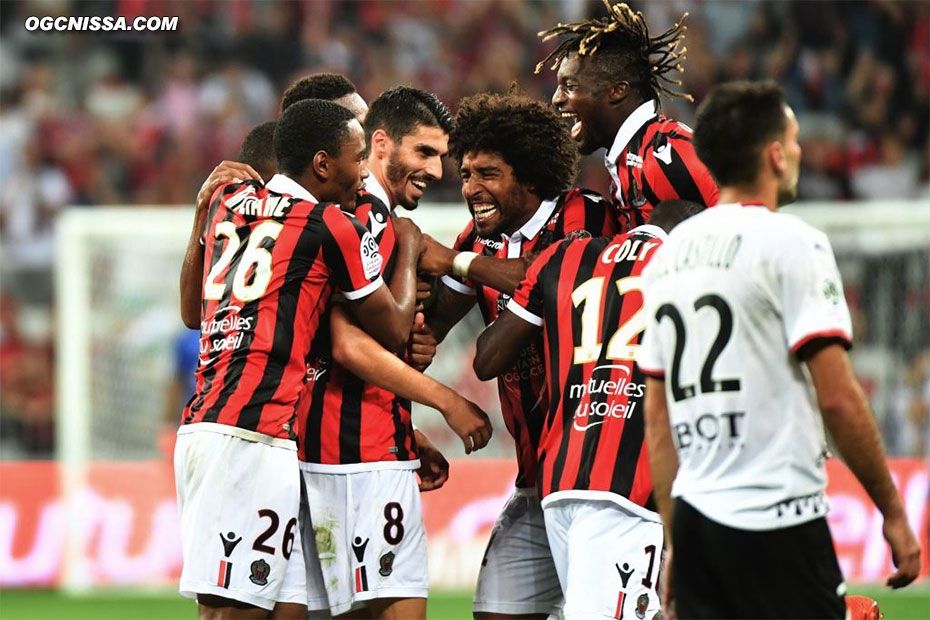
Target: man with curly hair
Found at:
517, 163
611, 72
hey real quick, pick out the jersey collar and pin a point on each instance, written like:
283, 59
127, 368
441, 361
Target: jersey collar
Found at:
372, 186
653, 230
535, 223
633, 123
281, 184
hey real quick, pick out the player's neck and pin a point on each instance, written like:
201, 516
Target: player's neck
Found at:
531, 204
768, 196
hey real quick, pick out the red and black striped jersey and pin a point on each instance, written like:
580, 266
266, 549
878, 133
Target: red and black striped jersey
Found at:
522, 389
344, 420
587, 296
652, 159
272, 258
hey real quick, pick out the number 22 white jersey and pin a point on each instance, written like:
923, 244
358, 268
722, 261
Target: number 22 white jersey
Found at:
731, 298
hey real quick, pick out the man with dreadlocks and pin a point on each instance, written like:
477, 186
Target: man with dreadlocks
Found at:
517, 161
610, 75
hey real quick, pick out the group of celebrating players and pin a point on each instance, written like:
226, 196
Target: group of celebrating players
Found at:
319, 308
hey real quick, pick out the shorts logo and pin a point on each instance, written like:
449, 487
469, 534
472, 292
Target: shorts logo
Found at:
358, 548
260, 570
387, 564
642, 603
222, 579
229, 543
625, 572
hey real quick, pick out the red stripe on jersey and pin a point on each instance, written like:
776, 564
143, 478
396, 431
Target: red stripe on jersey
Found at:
830, 333
594, 435
353, 421
522, 389
270, 264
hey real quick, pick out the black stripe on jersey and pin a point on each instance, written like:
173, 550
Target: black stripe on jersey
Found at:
517, 432
589, 257
529, 398
314, 423
594, 215
350, 420
299, 264
650, 196
679, 177
631, 443
613, 304
400, 430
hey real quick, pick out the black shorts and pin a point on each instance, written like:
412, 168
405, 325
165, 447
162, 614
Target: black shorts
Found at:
722, 572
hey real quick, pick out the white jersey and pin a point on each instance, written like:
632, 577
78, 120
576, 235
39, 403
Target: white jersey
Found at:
731, 298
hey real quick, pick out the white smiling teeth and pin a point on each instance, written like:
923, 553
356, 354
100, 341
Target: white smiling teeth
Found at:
421, 185
483, 211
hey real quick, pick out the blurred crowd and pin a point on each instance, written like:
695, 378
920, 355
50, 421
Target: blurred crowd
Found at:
109, 118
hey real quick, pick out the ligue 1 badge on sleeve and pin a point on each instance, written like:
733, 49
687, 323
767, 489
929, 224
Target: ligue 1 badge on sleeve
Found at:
260, 570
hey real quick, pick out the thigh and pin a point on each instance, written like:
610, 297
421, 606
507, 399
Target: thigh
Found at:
239, 511
614, 558
517, 575
369, 535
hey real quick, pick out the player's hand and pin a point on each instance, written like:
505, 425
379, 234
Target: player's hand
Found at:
434, 468
905, 551
668, 593
408, 233
469, 422
436, 259
424, 290
225, 172
422, 347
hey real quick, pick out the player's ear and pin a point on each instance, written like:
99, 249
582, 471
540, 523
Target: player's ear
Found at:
617, 92
775, 157
381, 143
322, 165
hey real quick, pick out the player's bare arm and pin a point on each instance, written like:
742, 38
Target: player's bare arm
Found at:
849, 421
361, 354
434, 468
387, 314
192, 267
450, 308
499, 345
502, 274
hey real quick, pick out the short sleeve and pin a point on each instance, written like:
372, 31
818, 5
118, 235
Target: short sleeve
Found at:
587, 213
465, 242
527, 300
650, 356
351, 253
810, 293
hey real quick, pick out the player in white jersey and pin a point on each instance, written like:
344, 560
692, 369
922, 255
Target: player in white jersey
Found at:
746, 353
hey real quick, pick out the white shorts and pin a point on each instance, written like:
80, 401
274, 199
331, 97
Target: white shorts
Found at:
517, 574
608, 559
239, 502
369, 537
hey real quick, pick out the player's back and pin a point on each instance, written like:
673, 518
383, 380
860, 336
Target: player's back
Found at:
589, 293
270, 262
733, 295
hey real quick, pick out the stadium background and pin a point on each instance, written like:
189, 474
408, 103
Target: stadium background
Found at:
94, 127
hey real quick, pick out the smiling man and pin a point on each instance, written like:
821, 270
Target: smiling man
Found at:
611, 73
517, 164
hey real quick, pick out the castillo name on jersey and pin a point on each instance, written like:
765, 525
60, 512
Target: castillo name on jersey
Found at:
522, 389
587, 295
652, 159
343, 419
271, 262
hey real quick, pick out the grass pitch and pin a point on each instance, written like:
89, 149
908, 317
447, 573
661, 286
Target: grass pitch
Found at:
912, 603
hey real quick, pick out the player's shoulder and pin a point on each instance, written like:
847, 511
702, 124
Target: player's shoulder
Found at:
579, 198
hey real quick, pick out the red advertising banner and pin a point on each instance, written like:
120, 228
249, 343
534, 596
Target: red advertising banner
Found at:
122, 528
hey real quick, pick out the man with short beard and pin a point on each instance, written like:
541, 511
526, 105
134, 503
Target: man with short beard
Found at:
517, 163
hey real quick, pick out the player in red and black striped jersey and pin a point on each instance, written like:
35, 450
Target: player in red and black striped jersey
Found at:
517, 163
610, 75
273, 256
594, 479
